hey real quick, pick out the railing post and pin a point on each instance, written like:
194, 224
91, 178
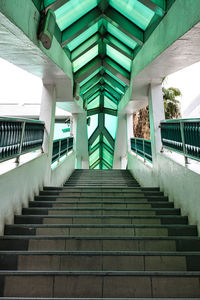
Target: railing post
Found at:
21, 143
67, 146
183, 142
143, 151
59, 151
135, 146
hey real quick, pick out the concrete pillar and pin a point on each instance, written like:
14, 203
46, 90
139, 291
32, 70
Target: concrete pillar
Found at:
156, 114
130, 133
47, 114
120, 153
81, 140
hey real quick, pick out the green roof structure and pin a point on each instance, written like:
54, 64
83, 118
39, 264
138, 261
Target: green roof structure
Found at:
102, 38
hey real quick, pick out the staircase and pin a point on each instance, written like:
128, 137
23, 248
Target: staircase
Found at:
100, 236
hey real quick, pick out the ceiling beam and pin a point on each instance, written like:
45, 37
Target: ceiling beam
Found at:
97, 110
94, 136
88, 69
57, 4
92, 150
89, 93
109, 137
156, 6
85, 47
116, 70
112, 91
103, 4
89, 84
106, 164
108, 95
126, 26
96, 163
94, 96
118, 45
81, 25
114, 83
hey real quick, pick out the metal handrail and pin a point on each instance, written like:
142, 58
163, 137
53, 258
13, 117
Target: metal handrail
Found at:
182, 136
142, 147
61, 147
19, 136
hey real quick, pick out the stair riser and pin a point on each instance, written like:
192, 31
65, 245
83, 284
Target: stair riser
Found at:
127, 212
95, 263
100, 286
101, 194
98, 220
102, 205
90, 231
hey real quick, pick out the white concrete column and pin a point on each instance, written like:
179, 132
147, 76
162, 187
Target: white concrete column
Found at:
130, 133
81, 140
120, 153
47, 114
156, 114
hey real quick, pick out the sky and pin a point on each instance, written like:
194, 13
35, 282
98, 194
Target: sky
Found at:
188, 81
19, 86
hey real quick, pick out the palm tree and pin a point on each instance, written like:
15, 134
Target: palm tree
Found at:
171, 104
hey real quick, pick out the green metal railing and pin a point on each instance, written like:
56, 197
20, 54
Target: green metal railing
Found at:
182, 136
142, 147
19, 136
61, 147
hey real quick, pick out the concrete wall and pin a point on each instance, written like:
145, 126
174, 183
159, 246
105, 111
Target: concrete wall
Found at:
178, 182
18, 186
62, 172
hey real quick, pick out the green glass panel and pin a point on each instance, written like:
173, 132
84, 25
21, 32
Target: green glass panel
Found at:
95, 142
116, 78
97, 167
94, 156
111, 124
83, 37
107, 156
72, 11
48, 2
93, 125
93, 104
116, 89
105, 141
121, 36
89, 77
85, 58
135, 11
104, 167
96, 94
110, 97
109, 103
121, 59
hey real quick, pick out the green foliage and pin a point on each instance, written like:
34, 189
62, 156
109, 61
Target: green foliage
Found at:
171, 104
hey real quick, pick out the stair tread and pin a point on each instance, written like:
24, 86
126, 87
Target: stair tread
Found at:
103, 273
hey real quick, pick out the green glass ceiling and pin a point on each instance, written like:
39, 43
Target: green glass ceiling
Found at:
102, 38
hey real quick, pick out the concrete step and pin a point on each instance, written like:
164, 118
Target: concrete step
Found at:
102, 204
134, 193
98, 243
97, 189
99, 229
101, 198
110, 219
22, 298
100, 211
99, 284
99, 261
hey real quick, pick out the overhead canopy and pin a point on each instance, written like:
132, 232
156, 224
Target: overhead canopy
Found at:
102, 38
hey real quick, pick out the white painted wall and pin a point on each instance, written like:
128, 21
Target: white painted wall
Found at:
62, 172
179, 183
18, 186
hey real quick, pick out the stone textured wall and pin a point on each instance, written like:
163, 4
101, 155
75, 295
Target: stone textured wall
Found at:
141, 127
